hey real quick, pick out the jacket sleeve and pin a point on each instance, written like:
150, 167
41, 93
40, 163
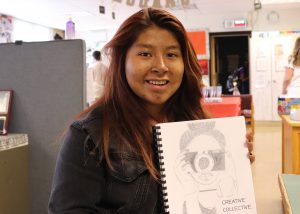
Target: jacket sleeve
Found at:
78, 186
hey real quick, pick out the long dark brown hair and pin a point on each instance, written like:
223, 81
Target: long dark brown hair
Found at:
295, 57
122, 110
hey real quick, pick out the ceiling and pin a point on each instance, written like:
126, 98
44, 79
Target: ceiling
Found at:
85, 13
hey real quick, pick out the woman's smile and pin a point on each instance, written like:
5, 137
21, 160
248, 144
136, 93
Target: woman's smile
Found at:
157, 82
157, 85
154, 67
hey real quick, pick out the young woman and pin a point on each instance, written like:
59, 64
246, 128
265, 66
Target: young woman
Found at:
291, 82
106, 163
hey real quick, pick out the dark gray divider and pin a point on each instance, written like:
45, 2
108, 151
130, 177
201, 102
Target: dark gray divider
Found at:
47, 79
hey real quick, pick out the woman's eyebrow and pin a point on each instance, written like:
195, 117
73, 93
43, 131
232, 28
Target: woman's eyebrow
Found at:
173, 47
145, 45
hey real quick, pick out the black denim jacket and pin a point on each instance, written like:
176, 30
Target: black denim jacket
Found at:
83, 183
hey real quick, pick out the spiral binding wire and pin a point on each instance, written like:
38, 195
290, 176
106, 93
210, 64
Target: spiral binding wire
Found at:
163, 195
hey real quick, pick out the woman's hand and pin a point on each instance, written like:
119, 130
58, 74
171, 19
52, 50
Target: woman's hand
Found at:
184, 172
249, 140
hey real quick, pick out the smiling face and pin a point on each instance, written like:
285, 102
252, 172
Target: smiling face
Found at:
154, 67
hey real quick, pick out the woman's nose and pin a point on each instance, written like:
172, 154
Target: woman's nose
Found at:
159, 64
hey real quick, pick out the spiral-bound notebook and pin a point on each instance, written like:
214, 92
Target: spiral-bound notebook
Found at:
204, 166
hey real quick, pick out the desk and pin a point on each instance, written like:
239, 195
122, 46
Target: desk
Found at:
14, 181
228, 107
290, 145
290, 190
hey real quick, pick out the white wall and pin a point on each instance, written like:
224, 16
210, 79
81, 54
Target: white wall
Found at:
289, 19
213, 22
29, 32
257, 20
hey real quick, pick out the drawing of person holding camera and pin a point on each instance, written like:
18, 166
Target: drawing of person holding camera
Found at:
205, 169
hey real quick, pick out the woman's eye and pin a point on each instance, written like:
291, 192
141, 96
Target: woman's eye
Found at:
171, 55
146, 54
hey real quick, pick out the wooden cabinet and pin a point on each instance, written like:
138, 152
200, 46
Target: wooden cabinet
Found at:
14, 181
290, 145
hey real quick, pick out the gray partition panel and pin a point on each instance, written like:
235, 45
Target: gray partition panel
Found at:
47, 79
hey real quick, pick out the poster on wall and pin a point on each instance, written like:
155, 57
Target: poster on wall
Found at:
204, 66
261, 64
6, 28
199, 40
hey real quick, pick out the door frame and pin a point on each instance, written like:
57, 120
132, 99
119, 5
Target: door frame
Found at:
213, 49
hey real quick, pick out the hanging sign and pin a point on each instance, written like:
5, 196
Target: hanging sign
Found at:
184, 4
235, 23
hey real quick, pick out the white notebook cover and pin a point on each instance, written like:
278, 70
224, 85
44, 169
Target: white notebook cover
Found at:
204, 166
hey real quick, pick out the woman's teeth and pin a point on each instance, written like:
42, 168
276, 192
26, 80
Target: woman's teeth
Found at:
158, 82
